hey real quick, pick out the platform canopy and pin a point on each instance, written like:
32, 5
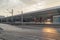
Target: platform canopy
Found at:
25, 5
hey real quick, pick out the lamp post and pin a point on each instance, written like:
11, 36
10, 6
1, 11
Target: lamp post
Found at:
12, 15
22, 17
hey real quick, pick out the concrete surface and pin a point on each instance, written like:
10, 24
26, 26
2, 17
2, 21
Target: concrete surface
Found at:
27, 33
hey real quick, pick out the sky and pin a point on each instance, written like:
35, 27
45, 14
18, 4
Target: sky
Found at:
25, 5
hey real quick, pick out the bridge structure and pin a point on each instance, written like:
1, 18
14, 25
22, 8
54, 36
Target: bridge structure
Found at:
34, 16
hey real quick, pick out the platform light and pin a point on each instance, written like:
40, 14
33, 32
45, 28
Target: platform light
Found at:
48, 21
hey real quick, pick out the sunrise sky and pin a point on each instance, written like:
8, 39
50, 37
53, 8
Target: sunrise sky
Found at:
25, 6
